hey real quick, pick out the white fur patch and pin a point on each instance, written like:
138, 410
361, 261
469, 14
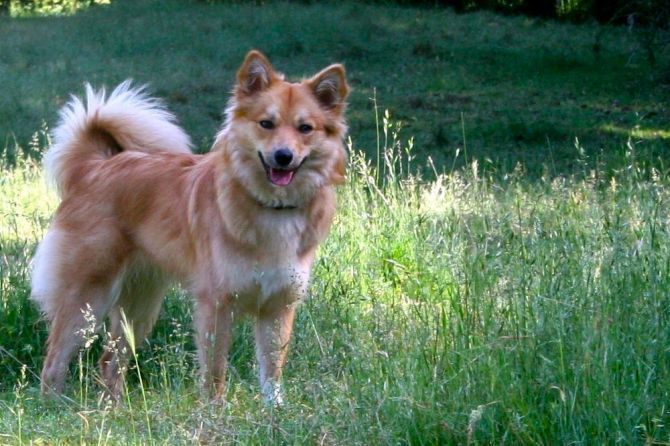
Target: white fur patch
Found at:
45, 277
262, 281
277, 271
273, 394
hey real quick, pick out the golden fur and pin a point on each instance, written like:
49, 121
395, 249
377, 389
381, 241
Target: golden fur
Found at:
238, 226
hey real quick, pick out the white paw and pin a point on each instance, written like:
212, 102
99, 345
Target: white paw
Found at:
272, 393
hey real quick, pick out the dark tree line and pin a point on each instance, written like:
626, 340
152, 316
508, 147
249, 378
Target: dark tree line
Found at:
605, 11
646, 12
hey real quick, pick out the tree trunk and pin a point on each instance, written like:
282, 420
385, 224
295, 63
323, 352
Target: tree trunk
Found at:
4, 7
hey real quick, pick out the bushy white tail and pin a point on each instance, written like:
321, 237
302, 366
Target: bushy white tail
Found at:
102, 126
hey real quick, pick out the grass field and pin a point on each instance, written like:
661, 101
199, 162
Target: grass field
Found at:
522, 88
518, 293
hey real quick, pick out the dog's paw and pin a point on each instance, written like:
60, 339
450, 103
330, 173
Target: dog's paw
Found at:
273, 395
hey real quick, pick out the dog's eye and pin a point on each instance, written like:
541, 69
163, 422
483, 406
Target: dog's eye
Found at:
267, 124
305, 128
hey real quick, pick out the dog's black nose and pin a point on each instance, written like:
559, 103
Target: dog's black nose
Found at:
283, 157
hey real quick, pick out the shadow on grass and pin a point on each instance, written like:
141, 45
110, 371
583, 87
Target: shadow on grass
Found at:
505, 89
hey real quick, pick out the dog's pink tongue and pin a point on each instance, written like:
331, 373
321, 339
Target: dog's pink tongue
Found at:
281, 177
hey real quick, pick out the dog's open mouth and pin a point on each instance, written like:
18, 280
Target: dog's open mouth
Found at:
277, 176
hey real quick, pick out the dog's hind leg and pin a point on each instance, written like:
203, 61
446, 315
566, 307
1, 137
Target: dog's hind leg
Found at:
76, 320
140, 301
73, 279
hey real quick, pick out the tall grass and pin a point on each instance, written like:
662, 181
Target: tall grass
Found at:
471, 308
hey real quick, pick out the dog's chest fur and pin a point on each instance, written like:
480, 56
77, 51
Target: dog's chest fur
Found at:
270, 262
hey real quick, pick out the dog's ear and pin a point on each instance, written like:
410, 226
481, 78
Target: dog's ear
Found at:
330, 87
255, 75
339, 170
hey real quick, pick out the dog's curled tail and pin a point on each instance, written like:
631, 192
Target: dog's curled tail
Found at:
127, 120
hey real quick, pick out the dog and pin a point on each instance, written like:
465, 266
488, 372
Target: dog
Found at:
238, 227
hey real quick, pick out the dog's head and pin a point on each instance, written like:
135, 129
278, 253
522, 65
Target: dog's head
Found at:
284, 140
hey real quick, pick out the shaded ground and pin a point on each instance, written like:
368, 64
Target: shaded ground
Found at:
519, 89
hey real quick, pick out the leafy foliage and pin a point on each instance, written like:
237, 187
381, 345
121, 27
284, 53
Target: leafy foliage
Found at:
46, 7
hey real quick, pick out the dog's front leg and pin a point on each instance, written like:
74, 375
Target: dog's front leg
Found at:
273, 332
214, 320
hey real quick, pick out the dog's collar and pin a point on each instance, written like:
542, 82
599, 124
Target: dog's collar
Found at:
283, 207
274, 205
